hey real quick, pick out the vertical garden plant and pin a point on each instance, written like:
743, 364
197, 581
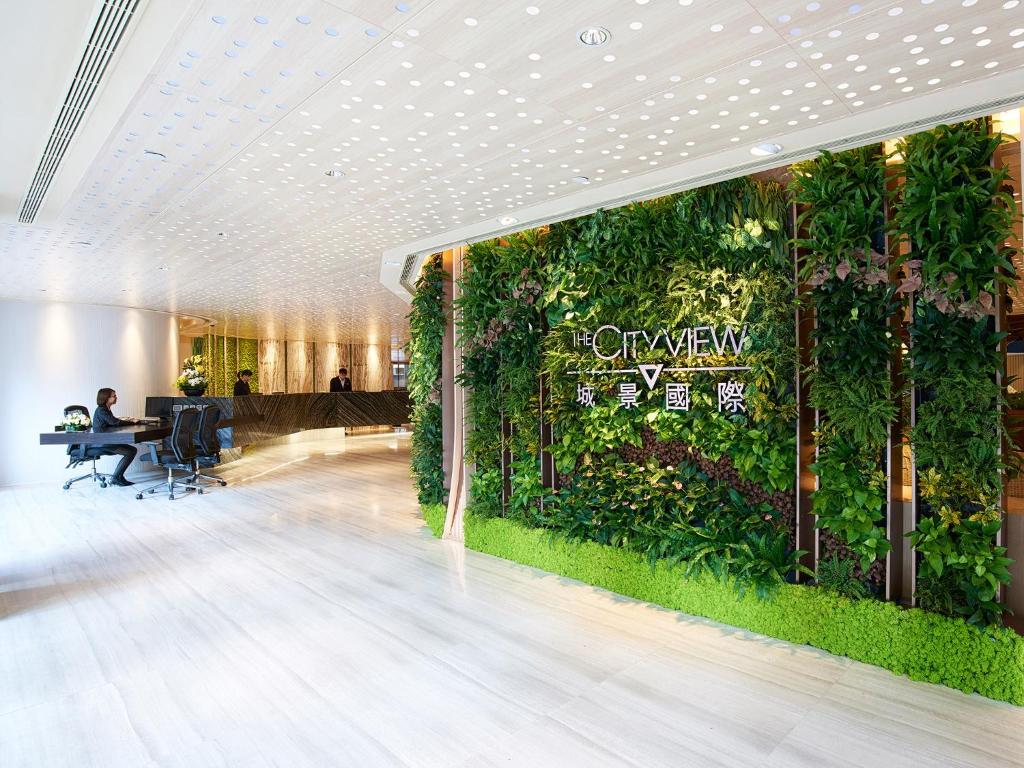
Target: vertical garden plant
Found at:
956, 218
427, 322
852, 299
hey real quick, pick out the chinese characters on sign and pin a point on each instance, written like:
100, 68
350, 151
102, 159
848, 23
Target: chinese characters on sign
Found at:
627, 394
584, 395
730, 397
677, 396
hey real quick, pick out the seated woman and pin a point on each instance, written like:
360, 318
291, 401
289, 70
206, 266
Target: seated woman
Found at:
103, 419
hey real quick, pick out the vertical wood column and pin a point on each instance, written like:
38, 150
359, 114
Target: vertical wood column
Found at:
451, 368
1011, 155
900, 568
806, 419
448, 371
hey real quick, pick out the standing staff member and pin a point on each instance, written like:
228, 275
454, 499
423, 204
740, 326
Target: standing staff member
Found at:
104, 419
242, 385
341, 382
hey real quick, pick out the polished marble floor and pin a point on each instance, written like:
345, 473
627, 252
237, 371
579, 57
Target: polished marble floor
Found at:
303, 616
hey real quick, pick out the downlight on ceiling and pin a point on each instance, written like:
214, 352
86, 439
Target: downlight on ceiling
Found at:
507, 221
593, 37
334, 173
765, 149
581, 179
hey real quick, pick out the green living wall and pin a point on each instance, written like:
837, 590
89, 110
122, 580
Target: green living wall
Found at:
846, 276
240, 354
707, 485
956, 220
427, 323
686, 498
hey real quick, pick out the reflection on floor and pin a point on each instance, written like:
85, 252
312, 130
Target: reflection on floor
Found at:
303, 616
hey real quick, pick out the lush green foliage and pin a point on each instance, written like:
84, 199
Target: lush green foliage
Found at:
249, 359
922, 645
839, 576
849, 291
956, 218
501, 322
704, 486
433, 516
427, 323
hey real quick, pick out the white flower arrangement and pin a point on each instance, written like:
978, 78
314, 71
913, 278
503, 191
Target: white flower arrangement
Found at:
76, 421
193, 373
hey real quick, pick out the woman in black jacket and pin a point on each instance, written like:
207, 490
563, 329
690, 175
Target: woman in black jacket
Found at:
104, 419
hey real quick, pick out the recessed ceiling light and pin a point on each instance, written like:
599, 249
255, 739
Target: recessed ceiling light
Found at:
334, 173
507, 221
765, 149
594, 36
581, 179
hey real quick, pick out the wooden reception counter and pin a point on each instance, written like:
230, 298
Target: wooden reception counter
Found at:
269, 416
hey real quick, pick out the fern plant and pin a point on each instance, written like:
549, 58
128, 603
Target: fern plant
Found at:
838, 575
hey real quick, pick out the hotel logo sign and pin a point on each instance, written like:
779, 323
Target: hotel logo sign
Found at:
609, 343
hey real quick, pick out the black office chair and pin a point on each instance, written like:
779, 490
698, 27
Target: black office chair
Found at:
80, 453
181, 456
207, 446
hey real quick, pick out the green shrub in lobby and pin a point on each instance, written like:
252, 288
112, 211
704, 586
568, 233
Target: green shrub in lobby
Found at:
427, 322
922, 645
956, 219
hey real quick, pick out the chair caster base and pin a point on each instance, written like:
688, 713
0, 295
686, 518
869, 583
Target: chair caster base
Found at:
103, 485
200, 491
171, 497
138, 496
66, 486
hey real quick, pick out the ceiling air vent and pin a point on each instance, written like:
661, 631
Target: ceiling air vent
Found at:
408, 278
106, 35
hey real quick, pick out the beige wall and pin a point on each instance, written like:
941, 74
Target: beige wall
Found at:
371, 367
301, 363
272, 365
60, 354
330, 356
306, 366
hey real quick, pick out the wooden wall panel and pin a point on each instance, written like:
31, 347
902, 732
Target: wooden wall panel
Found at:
272, 366
300, 365
370, 370
330, 356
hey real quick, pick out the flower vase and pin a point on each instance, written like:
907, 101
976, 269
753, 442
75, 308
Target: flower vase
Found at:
193, 391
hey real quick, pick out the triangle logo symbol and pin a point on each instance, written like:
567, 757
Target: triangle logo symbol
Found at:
651, 372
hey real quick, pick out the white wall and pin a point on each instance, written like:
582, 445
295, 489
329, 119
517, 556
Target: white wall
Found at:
55, 355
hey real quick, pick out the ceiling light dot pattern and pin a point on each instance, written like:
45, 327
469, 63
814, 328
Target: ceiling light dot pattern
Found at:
321, 180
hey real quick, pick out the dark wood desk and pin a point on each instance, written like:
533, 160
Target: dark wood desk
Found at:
132, 434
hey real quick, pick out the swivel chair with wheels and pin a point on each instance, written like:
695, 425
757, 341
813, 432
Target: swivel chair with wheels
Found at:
207, 446
181, 456
80, 453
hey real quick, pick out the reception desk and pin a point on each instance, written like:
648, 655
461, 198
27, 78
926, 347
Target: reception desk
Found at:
264, 417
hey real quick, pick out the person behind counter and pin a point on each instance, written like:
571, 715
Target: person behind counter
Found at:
242, 385
341, 382
104, 419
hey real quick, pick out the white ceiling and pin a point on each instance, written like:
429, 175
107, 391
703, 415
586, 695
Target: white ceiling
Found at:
444, 115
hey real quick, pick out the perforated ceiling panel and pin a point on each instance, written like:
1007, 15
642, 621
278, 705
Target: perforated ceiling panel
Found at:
435, 115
